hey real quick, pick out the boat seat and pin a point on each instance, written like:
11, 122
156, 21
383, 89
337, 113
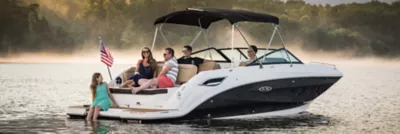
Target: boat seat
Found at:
209, 65
144, 92
217, 66
185, 73
243, 63
128, 73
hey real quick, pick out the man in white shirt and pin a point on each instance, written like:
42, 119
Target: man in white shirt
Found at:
167, 77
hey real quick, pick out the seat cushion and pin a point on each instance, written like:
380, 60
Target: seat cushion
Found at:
210, 65
185, 73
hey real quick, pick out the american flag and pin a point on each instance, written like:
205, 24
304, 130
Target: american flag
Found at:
106, 57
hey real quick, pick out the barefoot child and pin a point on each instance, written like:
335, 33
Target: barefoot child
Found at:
101, 96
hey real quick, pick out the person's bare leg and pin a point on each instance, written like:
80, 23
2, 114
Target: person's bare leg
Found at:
127, 83
146, 85
142, 81
90, 114
96, 112
141, 87
153, 86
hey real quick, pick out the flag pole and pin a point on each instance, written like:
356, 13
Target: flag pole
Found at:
108, 68
109, 73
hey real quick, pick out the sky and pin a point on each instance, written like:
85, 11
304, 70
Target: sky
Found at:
335, 2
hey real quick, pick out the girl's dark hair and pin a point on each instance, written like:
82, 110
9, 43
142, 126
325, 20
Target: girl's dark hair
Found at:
94, 84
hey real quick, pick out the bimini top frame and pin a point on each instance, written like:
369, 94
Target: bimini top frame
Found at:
191, 16
204, 17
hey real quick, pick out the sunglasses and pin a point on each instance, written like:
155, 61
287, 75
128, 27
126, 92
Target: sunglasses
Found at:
145, 51
184, 51
165, 55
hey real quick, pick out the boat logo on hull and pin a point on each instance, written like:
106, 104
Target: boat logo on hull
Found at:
265, 89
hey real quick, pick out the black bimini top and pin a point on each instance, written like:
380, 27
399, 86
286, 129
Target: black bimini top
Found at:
203, 17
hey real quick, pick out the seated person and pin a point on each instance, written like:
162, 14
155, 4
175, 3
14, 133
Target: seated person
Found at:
145, 69
187, 59
167, 76
251, 52
101, 97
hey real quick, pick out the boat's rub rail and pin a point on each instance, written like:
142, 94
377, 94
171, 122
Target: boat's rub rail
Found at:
125, 108
143, 92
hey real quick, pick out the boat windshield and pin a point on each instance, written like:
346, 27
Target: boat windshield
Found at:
277, 57
234, 55
241, 53
210, 54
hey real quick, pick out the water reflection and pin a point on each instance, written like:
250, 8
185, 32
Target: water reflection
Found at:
305, 120
99, 128
66, 125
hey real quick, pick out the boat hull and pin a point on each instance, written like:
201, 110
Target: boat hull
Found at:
264, 97
291, 90
226, 93
283, 97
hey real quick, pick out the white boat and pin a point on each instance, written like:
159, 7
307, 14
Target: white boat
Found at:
276, 84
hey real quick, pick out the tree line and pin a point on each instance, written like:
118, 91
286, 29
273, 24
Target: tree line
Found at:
31, 25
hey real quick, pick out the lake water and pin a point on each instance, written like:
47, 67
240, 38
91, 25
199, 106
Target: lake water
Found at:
34, 98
